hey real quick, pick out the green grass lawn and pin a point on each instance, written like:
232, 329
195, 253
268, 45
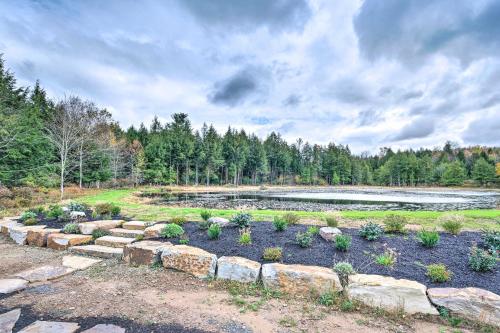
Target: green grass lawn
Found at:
475, 219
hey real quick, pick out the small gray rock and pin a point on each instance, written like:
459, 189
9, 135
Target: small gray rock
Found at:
8, 320
103, 328
51, 327
8, 286
219, 220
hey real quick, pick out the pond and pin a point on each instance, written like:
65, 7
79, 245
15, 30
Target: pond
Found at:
336, 199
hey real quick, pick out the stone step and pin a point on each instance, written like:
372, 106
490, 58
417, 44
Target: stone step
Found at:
119, 232
99, 251
136, 225
113, 241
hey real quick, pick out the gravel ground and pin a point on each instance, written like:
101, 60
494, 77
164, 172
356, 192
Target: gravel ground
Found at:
452, 251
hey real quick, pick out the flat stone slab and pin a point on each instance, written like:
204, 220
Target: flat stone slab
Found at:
390, 294
472, 303
189, 259
64, 241
8, 320
20, 234
99, 251
45, 273
237, 269
219, 220
87, 228
8, 286
8, 222
144, 252
136, 225
154, 230
329, 233
103, 328
300, 279
127, 233
113, 241
38, 237
50, 327
78, 262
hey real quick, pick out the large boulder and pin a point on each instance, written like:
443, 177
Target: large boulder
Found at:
64, 241
219, 220
154, 230
8, 222
8, 286
473, 303
45, 273
136, 225
8, 320
78, 262
87, 228
143, 253
192, 260
238, 269
390, 294
300, 279
38, 237
329, 233
20, 234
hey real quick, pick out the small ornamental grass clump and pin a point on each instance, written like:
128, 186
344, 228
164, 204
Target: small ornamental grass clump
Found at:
388, 258
395, 223
291, 218
98, 233
179, 220
344, 270
371, 231
71, 228
214, 231
245, 237
279, 223
481, 260
452, 223
304, 239
332, 220
343, 242
29, 218
313, 230
272, 254
242, 220
171, 230
205, 215
107, 209
428, 238
438, 273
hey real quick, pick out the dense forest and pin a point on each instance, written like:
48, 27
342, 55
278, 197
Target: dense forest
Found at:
52, 143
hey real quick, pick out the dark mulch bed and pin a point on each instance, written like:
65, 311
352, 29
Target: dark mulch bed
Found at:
28, 316
451, 251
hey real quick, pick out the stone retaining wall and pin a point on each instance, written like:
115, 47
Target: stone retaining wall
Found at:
373, 290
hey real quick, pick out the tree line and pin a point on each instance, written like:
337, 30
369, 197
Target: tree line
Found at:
52, 143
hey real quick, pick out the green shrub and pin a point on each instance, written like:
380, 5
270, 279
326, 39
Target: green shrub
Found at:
332, 220
328, 298
395, 223
184, 240
272, 254
30, 221
98, 233
388, 258
71, 228
438, 273
481, 260
242, 220
344, 270
214, 231
138, 238
38, 210
204, 225
313, 230
452, 223
371, 231
291, 218
245, 237
491, 240
279, 223
205, 215
28, 215
103, 209
343, 242
179, 220
74, 206
346, 306
304, 239
55, 212
428, 238
171, 230
115, 211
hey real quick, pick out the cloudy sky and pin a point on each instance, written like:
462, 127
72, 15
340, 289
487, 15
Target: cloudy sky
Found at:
399, 73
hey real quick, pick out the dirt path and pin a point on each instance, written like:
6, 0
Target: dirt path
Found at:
146, 297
